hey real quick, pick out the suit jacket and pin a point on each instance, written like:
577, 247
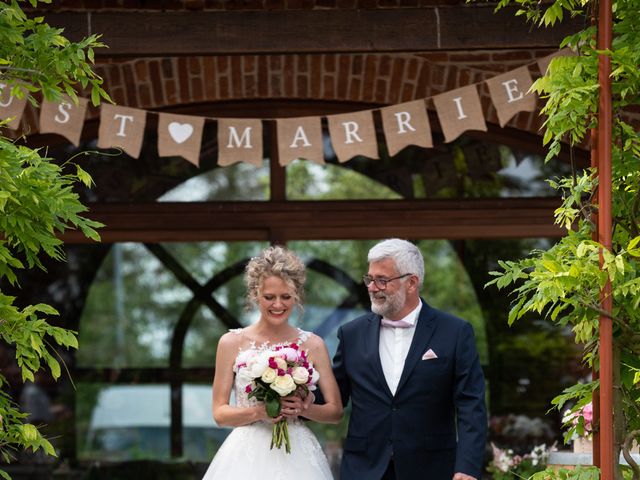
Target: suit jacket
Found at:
436, 423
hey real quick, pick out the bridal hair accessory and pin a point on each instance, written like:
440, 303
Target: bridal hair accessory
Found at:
274, 373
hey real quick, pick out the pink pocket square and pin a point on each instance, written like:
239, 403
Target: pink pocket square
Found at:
429, 355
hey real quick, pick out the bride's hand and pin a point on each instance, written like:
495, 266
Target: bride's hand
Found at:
292, 406
276, 419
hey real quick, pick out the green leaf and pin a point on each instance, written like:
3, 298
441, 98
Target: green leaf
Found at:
631, 248
54, 366
272, 405
84, 176
48, 448
29, 433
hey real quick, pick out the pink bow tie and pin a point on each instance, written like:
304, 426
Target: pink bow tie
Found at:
395, 323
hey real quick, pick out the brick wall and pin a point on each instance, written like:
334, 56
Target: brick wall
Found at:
381, 79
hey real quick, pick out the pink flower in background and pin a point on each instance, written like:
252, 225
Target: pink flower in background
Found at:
587, 414
573, 418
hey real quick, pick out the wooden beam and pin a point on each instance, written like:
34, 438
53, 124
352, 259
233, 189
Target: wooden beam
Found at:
467, 27
256, 221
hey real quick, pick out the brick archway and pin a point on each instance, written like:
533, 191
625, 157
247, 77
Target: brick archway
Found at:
370, 79
381, 79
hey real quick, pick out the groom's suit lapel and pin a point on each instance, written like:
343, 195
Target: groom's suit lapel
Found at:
421, 337
372, 351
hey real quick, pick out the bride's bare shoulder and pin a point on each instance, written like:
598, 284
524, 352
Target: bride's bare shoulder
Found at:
232, 339
314, 342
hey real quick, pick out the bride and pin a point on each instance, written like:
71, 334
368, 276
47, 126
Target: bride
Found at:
274, 282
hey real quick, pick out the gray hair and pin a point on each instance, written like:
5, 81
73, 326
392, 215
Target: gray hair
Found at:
406, 256
275, 261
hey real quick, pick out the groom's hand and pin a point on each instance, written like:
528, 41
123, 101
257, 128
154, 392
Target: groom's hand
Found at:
463, 476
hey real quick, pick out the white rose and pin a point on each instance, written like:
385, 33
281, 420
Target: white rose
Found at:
281, 362
257, 365
315, 376
244, 375
269, 375
290, 354
300, 375
283, 385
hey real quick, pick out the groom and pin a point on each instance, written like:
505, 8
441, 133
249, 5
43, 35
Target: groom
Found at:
414, 379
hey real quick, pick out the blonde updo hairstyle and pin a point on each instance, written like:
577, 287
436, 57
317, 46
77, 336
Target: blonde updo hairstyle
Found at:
279, 262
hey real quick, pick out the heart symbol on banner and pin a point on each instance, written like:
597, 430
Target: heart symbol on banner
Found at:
180, 131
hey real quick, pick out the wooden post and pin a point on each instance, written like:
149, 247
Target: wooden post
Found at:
604, 237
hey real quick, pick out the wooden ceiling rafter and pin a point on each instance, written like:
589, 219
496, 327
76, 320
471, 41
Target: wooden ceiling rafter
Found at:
330, 220
431, 28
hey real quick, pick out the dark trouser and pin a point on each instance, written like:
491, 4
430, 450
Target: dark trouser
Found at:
390, 474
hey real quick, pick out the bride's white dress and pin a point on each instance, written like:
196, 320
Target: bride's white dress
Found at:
246, 454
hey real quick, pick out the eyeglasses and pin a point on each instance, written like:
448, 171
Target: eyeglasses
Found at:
381, 283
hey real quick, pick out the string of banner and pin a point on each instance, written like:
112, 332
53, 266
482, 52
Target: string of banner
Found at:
240, 140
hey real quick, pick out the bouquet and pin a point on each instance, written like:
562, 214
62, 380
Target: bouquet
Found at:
274, 373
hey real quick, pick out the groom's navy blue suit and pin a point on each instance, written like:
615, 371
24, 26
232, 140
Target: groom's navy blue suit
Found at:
435, 424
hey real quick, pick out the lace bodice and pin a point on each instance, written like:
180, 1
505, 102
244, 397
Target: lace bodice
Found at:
241, 381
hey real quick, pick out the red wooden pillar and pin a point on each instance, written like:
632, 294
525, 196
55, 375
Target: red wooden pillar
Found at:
604, 237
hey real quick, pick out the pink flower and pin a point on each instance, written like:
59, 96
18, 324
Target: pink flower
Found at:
247, 389
587, 414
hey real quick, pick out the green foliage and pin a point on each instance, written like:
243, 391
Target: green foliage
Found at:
579, 396
35, 57
545, 14
579, 473
564, 282
570, 89
37, 202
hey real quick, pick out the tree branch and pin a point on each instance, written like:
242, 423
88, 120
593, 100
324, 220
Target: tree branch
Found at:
626, 449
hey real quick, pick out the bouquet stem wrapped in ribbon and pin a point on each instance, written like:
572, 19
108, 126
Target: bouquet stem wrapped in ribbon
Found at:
275, 373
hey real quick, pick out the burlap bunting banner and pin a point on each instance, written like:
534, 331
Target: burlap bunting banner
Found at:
64, 118
239, 140
510, 94
180, 135
353, 134
300, 138
10, 106
458, 111
406, 124
121, 127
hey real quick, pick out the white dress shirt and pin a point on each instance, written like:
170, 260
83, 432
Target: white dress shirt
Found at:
394, 347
